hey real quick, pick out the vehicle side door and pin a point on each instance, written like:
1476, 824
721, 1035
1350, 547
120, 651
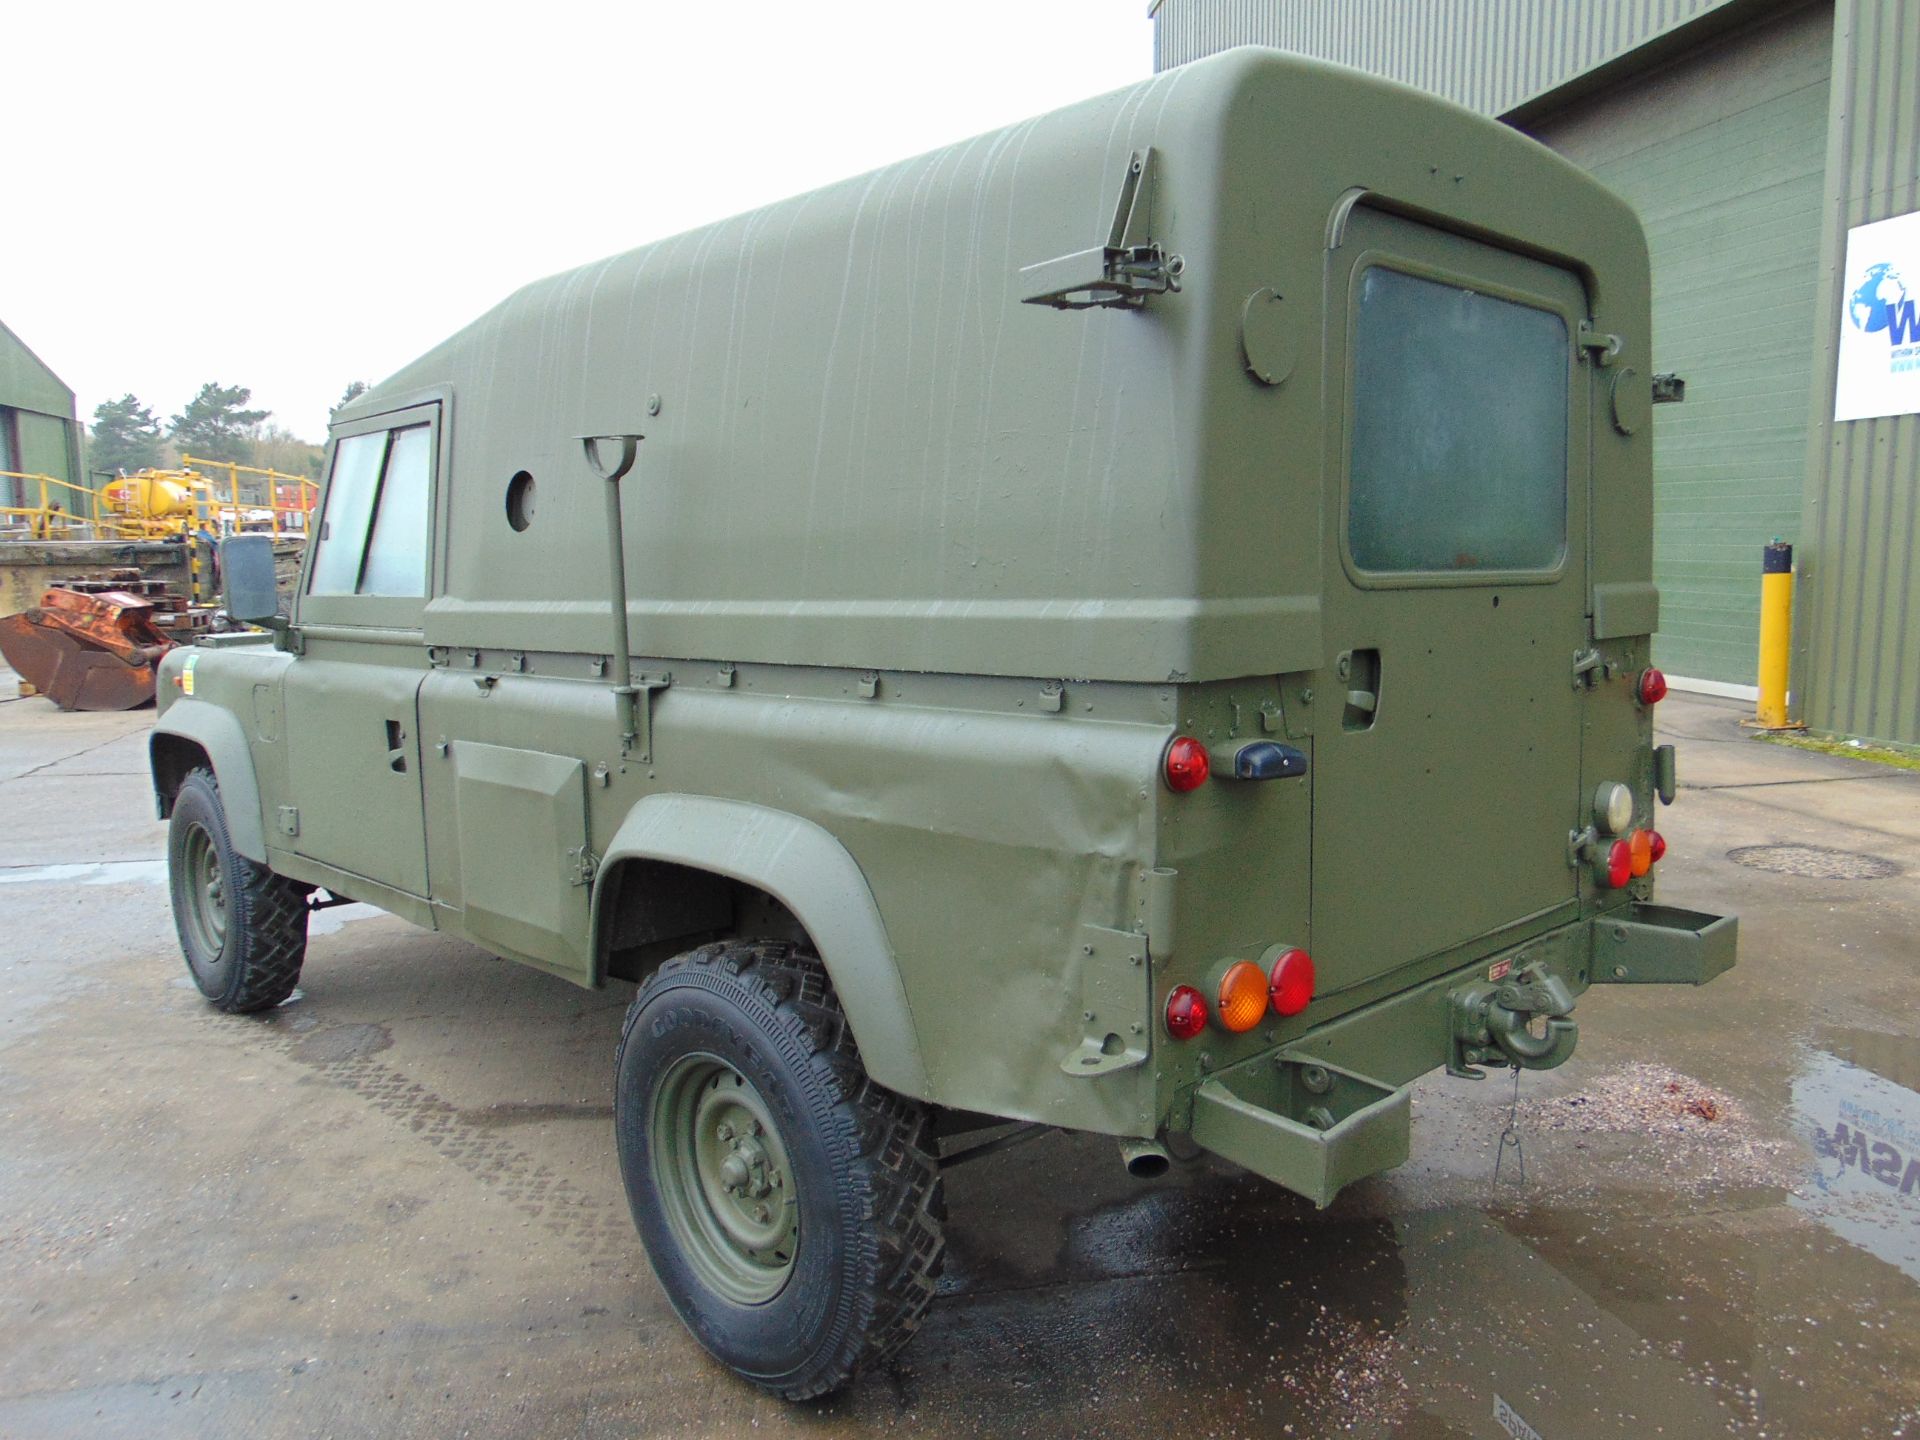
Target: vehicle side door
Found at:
352, 691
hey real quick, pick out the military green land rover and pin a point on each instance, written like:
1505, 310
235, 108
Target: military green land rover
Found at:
1135, 623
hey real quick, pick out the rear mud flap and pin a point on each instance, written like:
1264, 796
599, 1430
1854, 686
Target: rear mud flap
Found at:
1662, 945
1304, 1124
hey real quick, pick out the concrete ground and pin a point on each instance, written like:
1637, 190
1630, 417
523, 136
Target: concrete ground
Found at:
391, 1206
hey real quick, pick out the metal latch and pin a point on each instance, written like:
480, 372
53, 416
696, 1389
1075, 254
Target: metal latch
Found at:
584, 866
1596, 345
1122, 273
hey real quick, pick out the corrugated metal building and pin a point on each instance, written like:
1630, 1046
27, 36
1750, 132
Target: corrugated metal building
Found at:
1750, 134
39, 434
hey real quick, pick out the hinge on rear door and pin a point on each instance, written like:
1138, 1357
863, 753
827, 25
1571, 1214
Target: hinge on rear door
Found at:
1122, 273
1587, 666
585, 866
1596, 345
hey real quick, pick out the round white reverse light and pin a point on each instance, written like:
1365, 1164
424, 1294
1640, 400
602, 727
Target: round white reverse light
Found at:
1613, 807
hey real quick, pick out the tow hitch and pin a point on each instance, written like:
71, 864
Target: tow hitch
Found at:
1521, 1019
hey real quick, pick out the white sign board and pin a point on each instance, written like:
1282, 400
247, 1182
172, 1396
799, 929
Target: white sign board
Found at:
1880, 321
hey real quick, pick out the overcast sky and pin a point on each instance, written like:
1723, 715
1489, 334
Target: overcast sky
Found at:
291, 197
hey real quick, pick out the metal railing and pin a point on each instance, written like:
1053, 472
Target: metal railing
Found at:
51, 519
229, 514
68, 510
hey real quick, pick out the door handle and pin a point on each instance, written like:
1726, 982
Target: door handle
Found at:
1361, 670
396, 747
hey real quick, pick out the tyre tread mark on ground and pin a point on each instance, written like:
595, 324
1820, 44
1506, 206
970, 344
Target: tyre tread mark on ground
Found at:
528, 1184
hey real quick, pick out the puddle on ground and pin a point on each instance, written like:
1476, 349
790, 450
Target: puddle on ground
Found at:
331, 1044
329, 920
1856, 1101
96, 872
154, 872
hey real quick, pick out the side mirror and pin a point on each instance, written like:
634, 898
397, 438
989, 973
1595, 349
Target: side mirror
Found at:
247, 587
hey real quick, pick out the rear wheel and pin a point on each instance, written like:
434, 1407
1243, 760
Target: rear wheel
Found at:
243, 929
790, 1206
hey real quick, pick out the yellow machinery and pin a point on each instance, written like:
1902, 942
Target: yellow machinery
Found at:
159, 504
150, 503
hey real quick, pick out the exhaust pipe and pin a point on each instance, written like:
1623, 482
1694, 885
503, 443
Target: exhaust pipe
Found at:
1144, 1159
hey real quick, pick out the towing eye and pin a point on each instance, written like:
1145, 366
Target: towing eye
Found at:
1493, 1022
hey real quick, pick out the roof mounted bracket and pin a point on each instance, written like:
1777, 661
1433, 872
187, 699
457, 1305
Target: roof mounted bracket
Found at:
1120, 274
1669, 389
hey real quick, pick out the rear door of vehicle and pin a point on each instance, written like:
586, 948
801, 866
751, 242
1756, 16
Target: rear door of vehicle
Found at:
1447, 745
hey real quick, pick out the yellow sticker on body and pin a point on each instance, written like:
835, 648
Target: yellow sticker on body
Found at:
186, 675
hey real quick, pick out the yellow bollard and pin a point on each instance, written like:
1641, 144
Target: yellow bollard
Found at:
1776, 632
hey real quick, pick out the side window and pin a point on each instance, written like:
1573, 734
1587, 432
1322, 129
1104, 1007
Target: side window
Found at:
397, 551
373, 533
343, 525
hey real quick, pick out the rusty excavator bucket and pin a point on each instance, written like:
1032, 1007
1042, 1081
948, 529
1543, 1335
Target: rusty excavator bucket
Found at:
86, 651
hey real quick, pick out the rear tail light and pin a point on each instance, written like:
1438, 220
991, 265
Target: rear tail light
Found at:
1640, 852
1652, 687
1243, 997
1187, 765
1186, 1012
1656, 845
1290, 985
1619, 863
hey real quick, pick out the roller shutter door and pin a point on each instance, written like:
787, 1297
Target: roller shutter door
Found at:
1723, 154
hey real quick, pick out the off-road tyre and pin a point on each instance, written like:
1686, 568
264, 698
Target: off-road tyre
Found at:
867, 1243
250, 959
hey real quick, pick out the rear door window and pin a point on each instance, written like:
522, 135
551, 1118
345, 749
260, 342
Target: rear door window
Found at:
1458, 456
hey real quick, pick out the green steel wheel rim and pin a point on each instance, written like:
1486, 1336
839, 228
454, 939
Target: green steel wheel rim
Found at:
205, 892
725, 1184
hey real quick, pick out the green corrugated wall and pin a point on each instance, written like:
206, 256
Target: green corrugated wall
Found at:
42, 417
1723, 154
1857, 661
1490, 55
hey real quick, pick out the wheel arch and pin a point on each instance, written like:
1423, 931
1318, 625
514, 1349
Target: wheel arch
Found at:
804, 868
193, 733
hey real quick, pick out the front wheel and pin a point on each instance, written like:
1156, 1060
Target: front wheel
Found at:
791, 1207
243, 929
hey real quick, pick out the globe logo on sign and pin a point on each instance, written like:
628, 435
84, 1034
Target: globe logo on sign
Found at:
1880, 302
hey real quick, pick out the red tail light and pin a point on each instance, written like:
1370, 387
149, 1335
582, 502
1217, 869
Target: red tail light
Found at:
1652, 687
1186, 1012
1656, 845
1290, 984
1187, 765
1619, 863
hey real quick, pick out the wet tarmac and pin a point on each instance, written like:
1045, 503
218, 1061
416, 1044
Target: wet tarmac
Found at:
391, 1206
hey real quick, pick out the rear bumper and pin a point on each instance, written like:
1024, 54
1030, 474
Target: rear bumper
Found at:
1332, 1106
